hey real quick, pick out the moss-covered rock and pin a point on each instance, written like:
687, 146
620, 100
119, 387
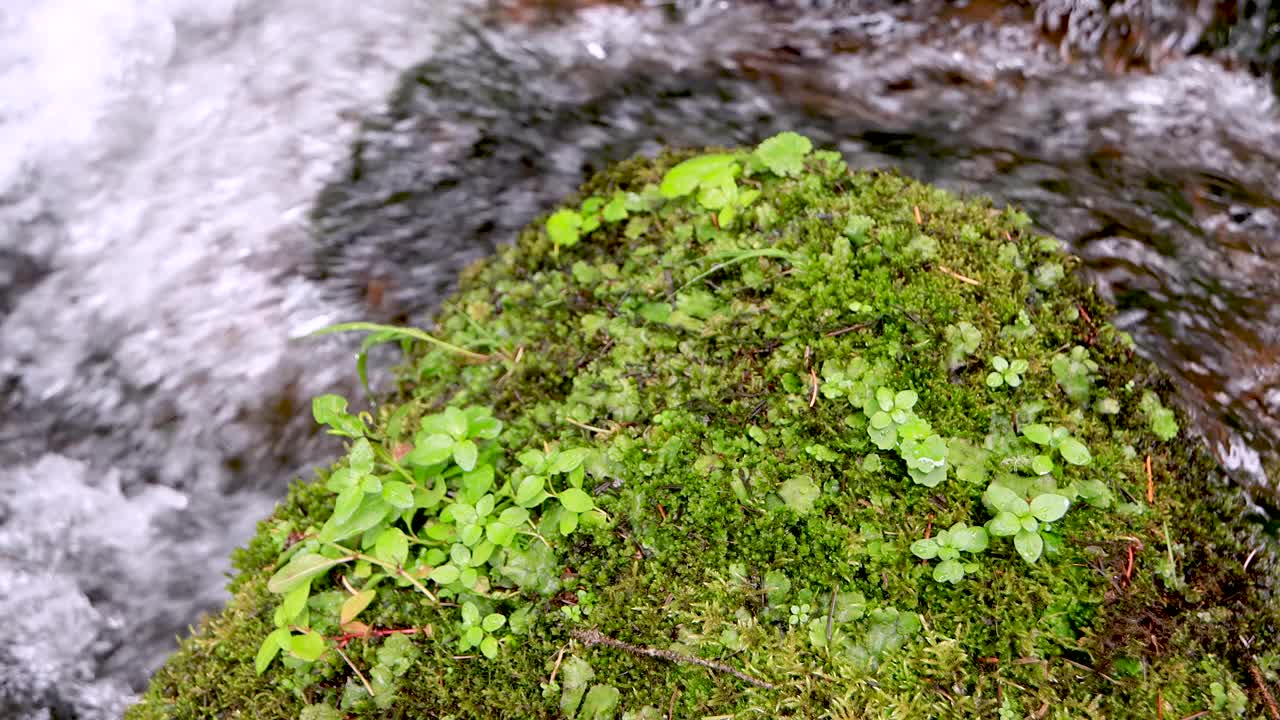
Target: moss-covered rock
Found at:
756, 382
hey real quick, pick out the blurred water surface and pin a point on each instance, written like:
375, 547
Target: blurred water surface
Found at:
185, 185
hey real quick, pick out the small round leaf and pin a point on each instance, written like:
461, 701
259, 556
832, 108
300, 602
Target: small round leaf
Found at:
576, 500
1049, 507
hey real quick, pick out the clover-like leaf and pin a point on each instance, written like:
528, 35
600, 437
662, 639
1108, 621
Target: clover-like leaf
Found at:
1037, 433
392, 546
1029, 545
465, 453
470, 614
331, 410
949, 571
1049, 507
493, 621
568, 522
1074, 451
528, 490
1005, 500
784, 153
563, 227
968, 539
489, 647
685, 177
430, 449
926, 548
1004, 524
444, 574
397, 494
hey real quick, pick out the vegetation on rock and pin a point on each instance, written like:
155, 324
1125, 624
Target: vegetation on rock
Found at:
746, 434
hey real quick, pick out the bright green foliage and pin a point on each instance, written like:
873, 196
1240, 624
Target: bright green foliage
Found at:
564, 228
665, 474
1006, 372
1162, 420
947, 546
1016, 517
784, 154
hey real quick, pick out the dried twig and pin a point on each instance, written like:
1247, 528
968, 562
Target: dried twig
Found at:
1151, 483
595, 637
962, 278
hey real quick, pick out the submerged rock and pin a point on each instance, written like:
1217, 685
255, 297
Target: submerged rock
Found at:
749, 434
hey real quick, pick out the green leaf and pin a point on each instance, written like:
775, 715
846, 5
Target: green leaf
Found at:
493, 621
1005, 500
392, 547
347, 503
331, 410
295, 601
968, 539
529, 490
471, 637
1049, 507
949, 571
514, 516
563, 227
500, 533
1004, 524
269, 649
460, 554
355, 605
444, 574
371, 484
576, 500
489, 647
684, 178
1074, 451
430, 449
784, 153
484, 427
1029, 545
484, 506
1042, 464
397, 494
471, 534
361, 457
566, 460
372, 511
601, 703
308, 647
616, 210
470, 614
926, 548
477, 482
465, 454
568, 522
905, 399
994, 380
1038, 433
300, 570
481, 553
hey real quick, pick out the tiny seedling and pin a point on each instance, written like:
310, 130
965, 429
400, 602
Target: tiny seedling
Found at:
947, 546
1021, 519
1072, 450
1006, 372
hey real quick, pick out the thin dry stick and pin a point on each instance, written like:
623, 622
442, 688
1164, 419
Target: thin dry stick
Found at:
958, 276
1266, 691
595, 637
356, 670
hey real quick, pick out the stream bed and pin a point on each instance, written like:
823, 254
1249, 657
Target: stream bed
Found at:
188, 187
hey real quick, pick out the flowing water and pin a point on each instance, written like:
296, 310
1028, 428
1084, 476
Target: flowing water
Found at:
160, 161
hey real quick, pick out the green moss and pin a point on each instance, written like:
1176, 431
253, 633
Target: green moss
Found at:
752, 521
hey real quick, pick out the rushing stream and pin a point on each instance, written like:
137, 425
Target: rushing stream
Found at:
159, 161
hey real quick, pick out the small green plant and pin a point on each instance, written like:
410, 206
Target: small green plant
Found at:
1021, 519
1074, 373
1072, 450
963, 340
436, 515
800, 614
947, 546
478, 631
1160, 418
888, 413
1006, 372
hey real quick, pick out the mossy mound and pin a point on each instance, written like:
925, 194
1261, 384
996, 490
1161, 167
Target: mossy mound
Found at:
768, 378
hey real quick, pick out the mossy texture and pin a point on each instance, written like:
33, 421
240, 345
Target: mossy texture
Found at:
753, 523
